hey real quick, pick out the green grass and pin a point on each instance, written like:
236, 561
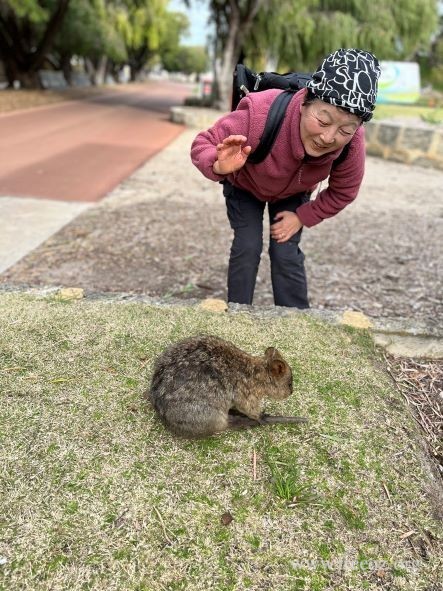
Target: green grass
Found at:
96, 495
429, 114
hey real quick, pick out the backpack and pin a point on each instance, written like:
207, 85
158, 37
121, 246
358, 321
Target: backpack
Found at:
246, 81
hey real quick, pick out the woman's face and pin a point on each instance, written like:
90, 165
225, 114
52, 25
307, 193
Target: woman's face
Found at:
325, 128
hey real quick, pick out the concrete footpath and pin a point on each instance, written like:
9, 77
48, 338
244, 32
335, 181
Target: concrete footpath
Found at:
26, 223
58, 158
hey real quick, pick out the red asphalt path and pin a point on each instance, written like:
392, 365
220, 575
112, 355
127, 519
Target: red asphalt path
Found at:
80, 150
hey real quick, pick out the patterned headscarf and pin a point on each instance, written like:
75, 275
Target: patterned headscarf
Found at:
348, 78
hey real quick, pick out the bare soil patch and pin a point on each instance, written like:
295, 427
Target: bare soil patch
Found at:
13, 100
164, 232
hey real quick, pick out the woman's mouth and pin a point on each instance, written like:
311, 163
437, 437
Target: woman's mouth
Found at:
318, 146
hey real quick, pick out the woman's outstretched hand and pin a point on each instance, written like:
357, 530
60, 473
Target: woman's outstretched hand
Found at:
231, 154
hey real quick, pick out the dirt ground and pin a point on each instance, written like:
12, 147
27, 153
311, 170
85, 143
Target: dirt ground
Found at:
164, 232
13, 100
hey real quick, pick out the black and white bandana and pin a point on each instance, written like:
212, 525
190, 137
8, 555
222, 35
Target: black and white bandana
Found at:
348, 78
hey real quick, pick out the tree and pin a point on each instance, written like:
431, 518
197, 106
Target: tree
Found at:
284, 34
186, 59
27, 32
89, 32
142, 24
106, 33
301, 35
233, 22
275, 39
169, 47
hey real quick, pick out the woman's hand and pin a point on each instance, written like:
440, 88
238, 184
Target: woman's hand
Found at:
287, 224
231, 154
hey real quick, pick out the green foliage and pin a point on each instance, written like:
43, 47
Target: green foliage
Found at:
277, 38
299, 35
142, 24
435, 117
33, 10
436, 77
186, 59
89, 31
125, 31
174, 57
146, 28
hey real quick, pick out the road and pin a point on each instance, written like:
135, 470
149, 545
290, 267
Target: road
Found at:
80, 150
60, 159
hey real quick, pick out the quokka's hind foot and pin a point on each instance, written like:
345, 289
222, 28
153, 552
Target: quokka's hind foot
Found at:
237, 420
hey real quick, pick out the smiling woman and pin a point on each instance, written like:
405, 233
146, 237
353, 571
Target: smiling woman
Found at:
320, 121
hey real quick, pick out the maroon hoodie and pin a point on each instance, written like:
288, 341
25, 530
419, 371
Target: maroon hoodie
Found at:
287, 170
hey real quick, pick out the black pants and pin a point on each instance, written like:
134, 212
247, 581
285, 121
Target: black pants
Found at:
245, 213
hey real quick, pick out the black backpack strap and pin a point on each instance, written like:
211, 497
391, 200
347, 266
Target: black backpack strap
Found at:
273, 124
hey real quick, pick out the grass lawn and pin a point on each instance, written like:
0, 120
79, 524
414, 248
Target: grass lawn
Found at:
427, 114
12, 100
96, 495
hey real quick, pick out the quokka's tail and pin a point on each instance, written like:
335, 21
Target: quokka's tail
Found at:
275, 420
239, 421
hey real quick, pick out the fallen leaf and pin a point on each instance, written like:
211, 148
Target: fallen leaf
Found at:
70, 293
226, 518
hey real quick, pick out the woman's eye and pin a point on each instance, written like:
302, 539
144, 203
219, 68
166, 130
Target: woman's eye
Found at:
347, 133
322, 123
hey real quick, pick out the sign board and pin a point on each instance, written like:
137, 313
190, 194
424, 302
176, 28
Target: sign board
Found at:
399, 82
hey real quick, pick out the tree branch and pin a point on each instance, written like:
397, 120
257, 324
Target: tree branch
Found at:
11, 37
53, 26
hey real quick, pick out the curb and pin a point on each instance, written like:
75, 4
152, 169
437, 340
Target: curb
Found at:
398, 336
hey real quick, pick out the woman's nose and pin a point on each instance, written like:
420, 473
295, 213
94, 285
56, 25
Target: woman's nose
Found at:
327, 136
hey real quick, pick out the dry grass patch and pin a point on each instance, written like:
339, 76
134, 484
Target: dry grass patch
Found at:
97, 495
13, 100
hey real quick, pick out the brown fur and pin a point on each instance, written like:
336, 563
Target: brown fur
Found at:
204, 385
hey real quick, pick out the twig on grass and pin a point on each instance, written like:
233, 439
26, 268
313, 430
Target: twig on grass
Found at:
387, 492
421, 385
162, 523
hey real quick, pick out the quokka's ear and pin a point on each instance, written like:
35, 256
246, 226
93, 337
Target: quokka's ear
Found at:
278, 367
271, 352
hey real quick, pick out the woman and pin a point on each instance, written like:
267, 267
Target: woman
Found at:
320, 120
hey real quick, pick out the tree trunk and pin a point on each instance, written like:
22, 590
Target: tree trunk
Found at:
238, 26
271, 62
23, 60
101, 69
231, 52
65, 64
137, 61
52, 28
90, 70
26, 78
29, 79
